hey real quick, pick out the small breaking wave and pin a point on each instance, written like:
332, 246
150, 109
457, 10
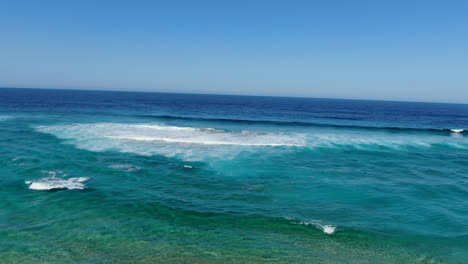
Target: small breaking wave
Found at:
456, 130
52, 183
327, 229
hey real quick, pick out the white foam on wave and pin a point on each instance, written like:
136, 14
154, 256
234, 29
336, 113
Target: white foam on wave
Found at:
189, 143
51, 183
176, 128
456, 130
328, 229
172, 134
202, 136
203, 141
192, 143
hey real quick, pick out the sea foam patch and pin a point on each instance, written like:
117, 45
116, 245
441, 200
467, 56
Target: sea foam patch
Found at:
51, 183
57, 179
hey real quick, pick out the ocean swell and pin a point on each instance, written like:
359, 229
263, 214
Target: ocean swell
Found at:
427, 130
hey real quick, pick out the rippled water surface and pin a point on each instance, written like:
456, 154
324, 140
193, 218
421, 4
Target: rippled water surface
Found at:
120, 177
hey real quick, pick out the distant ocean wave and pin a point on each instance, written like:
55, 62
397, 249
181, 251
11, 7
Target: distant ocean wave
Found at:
307, 123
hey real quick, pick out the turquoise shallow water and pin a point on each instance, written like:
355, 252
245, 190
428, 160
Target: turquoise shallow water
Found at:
108, 177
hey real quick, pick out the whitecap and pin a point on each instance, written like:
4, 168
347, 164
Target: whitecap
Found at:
327, 229
51, 183
457, 130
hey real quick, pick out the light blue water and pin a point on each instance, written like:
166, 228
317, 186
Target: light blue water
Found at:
117, 177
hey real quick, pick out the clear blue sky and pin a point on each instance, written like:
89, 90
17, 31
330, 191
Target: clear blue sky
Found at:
393, 50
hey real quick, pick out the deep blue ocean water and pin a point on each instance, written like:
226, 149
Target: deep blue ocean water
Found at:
123, 177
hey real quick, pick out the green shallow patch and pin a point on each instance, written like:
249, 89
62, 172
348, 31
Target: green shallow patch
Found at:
91, 227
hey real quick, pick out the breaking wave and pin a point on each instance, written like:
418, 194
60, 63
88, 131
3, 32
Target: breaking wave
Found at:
199, 143
171, 134
158, 139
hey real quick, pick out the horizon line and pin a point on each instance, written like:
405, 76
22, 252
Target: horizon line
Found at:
247, 95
